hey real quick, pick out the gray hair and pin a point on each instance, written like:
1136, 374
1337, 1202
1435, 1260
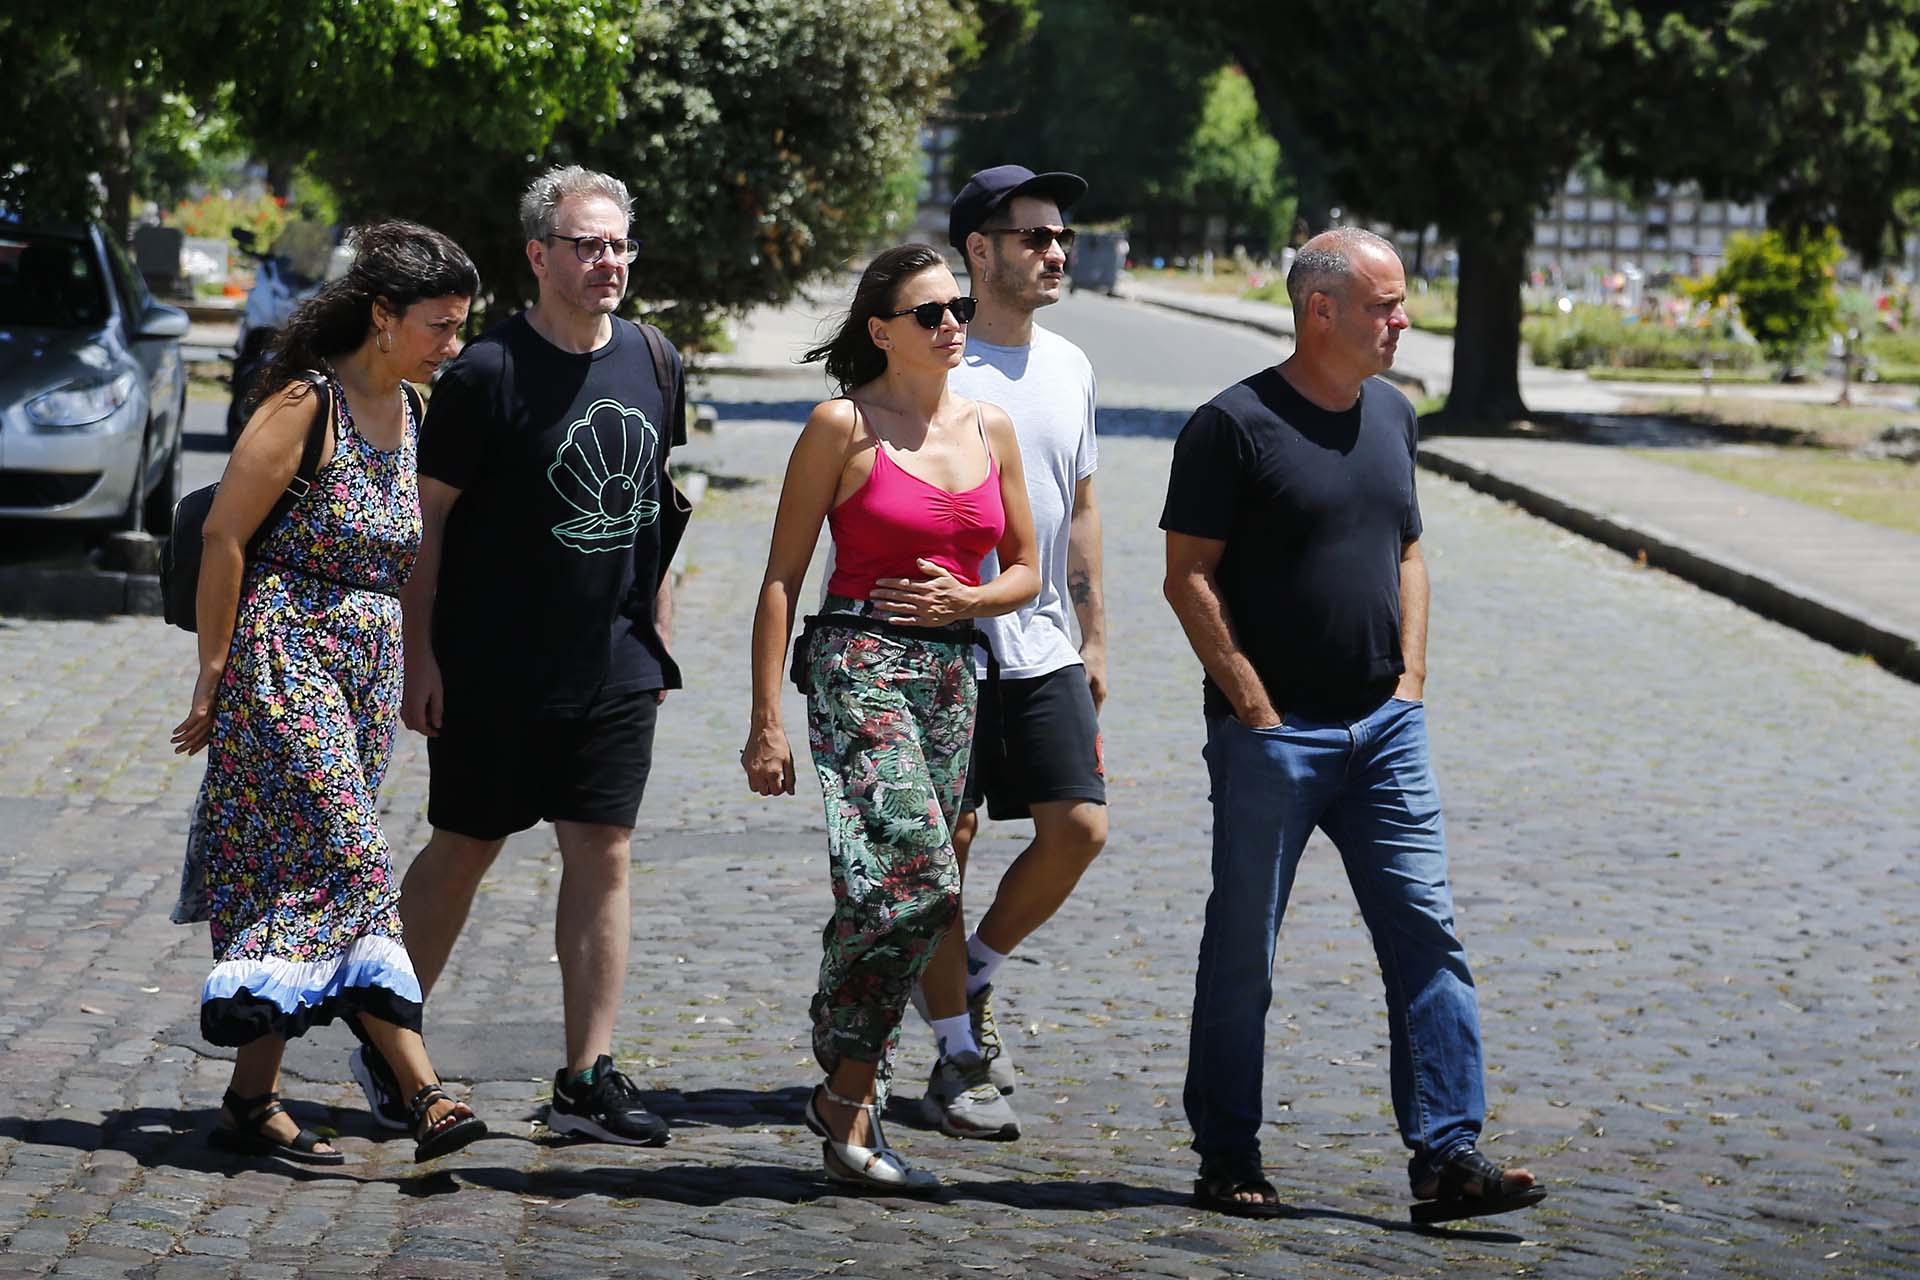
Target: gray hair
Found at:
541, 204
1325, 264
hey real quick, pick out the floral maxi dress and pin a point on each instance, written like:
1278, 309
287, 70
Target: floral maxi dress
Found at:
285, 856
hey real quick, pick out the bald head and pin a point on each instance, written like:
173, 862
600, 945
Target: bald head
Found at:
1325, 264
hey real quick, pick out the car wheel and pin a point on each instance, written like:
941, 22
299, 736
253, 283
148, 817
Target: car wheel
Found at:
160, 503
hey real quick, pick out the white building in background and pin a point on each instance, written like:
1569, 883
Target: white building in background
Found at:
1589, 229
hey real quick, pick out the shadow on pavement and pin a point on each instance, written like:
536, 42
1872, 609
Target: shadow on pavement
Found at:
160, 1138
1623, 430
165, 1139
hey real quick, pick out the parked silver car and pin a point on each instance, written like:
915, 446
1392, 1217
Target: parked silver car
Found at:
92, 390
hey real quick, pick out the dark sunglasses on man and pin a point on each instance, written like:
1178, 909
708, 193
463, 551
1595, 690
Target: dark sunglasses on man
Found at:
1037, 238
589, 248
928, 314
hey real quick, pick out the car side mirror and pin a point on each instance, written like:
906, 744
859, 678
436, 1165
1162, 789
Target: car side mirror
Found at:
162, 321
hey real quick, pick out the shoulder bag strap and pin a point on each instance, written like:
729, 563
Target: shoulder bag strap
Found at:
309, 463
415, 403
316, 437
663, 378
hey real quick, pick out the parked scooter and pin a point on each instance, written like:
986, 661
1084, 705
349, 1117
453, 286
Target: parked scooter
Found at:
283, 277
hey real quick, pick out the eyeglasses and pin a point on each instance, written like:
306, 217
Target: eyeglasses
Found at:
589, 248
928, 314
1038, 238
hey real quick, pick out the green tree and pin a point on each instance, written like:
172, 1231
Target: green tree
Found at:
1075, 95
1231, 164
1069, 95
1471, 114
84, 90
763, 140
1782, 285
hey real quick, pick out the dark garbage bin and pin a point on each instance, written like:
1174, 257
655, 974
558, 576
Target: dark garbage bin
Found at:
156, 252
1097, 259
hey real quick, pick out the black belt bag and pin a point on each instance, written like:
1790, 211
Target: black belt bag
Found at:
960, 633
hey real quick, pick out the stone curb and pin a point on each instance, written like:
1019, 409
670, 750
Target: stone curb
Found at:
1843, 625
1272, 328
77, 592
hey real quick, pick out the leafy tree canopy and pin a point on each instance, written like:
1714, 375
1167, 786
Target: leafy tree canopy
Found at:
1113, 97
1471, 114
763, 140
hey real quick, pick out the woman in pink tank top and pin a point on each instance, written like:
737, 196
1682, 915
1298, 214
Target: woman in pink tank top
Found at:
917, 485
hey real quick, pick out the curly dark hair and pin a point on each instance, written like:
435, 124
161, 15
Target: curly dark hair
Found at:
396, 263
851, 357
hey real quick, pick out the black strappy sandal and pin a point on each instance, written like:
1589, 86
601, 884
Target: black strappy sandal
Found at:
1472, 1186
1220, 1182
248, 1136
452, 1131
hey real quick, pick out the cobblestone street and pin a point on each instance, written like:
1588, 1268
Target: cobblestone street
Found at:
1682, 840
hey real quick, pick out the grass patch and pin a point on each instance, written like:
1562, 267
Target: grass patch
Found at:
1878, 490
1228, 280
1433, 309
1820, 426
1721, 377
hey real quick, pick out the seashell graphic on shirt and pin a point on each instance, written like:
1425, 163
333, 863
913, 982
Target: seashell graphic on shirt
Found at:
604, 470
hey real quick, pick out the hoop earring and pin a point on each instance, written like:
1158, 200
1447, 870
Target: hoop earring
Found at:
384, 341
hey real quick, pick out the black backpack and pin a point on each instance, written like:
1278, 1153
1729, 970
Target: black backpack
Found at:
180, 553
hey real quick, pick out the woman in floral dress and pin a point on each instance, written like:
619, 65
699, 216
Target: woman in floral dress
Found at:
918, 485
299, 694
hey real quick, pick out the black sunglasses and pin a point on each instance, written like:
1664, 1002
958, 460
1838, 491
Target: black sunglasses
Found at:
928, 313
589, 248
1038, 238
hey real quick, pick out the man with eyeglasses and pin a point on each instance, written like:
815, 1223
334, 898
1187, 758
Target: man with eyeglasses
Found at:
1036, 750
537, 624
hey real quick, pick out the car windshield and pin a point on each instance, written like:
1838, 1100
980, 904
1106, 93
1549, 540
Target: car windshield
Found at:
49, 282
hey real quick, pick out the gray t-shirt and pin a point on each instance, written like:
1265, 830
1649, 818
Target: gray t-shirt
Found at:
1047, 388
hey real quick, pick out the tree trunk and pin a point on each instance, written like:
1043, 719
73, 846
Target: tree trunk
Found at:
1486, 337
116, 173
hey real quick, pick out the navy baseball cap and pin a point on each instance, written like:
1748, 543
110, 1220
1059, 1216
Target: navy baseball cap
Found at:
988, 189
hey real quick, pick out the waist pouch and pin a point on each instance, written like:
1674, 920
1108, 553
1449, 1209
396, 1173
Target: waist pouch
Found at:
959, 633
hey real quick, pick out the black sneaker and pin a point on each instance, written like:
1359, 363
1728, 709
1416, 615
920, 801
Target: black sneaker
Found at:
607, 1110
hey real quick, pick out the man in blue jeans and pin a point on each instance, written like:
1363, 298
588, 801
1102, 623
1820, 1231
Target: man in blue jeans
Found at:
1294, 564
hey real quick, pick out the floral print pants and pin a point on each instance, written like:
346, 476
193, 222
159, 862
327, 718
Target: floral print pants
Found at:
890, 721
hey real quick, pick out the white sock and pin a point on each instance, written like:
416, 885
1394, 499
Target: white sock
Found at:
954, 1034
982, 963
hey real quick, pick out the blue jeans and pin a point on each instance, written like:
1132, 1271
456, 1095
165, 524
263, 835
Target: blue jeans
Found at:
1368, 783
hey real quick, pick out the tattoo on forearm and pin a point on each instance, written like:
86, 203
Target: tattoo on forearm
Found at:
1079, 587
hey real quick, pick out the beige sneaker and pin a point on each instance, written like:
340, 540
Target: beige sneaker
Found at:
962, 1101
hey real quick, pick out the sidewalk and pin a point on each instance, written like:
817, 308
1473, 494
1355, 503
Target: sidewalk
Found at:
1851, 584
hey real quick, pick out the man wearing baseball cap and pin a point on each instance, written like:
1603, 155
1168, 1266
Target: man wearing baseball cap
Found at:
1036, 750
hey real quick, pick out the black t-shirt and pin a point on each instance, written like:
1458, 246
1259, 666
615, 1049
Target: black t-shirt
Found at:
561, 463
1315, 509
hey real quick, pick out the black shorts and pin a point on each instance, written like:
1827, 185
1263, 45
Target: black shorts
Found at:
1038, 741
493, 775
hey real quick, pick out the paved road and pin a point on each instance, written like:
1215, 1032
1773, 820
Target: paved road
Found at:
1683, 841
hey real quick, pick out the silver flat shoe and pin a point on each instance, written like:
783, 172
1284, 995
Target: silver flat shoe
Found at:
878, 1168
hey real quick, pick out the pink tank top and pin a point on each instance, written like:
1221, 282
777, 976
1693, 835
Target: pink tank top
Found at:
896, 518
